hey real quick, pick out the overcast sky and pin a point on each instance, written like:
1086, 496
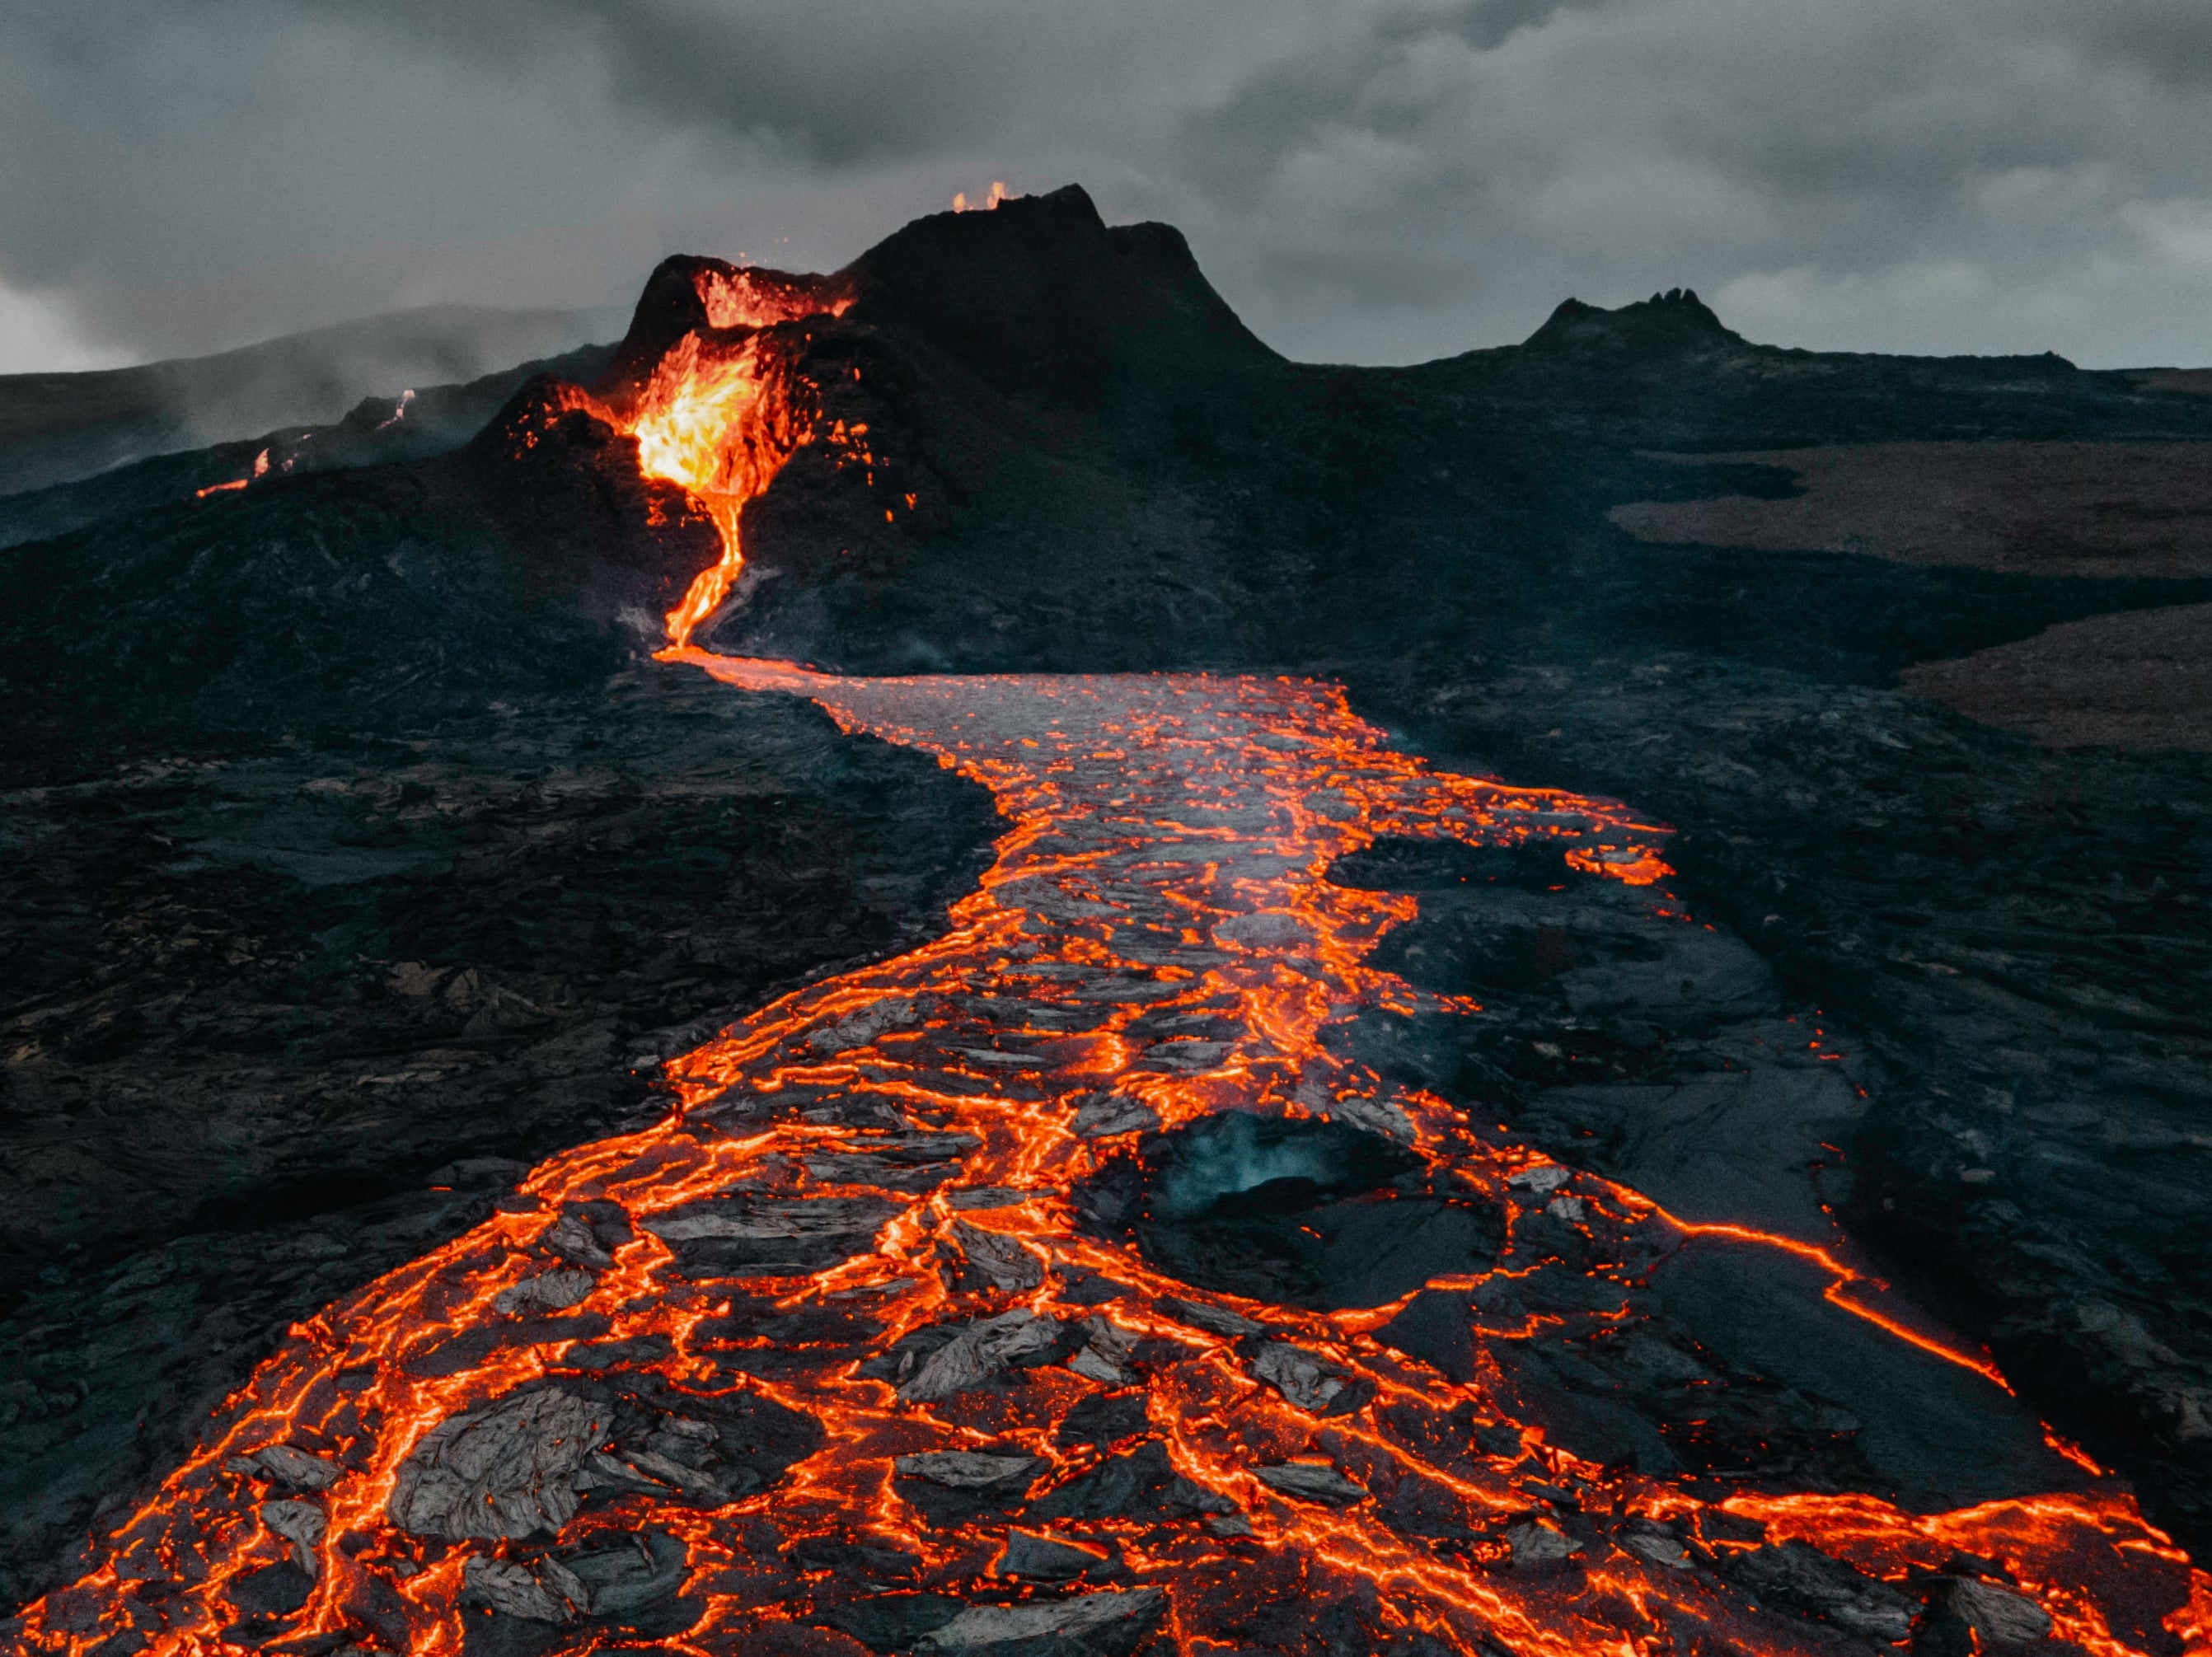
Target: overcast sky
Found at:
1366, 180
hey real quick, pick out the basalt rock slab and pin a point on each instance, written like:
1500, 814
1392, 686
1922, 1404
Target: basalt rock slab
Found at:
1436, 1327
302, 1524
747, 1235
287, 1465
891, 1622
1104, 1418
1048, 1559
1308, 1380
1999, 1618
503, 1471
515, 1590
1136, 1483
1798, 1578
951, 1486
855, 1558
968, 1470
985, 1349
1306, 1481
999, 1260
635, 1582
1108, 1624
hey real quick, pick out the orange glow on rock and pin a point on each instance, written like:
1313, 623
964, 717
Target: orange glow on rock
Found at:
260, 470
741, 298
998, 194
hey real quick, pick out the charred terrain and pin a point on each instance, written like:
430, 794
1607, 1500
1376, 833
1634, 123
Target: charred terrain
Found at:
1676, 1107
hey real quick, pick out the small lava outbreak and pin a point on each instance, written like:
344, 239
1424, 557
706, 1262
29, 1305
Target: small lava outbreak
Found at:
1066, 1285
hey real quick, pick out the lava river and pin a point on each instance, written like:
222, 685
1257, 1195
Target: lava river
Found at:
872, 1343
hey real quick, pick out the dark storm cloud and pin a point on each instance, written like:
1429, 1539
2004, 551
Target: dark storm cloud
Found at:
1365, 179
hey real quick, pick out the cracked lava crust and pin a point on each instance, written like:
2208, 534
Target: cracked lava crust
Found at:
1062, 1286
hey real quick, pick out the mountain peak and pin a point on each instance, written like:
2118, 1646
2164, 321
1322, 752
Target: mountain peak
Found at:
1676, 319
1041, 294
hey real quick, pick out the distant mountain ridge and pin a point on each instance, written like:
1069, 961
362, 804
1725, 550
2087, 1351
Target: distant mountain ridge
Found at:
55, 428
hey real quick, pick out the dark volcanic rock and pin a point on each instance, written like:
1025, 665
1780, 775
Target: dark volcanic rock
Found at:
635, 1582
1999, 941
1138, 1483
980, 1472
1792, 1576
1041, 297
854, 1560
1043, 1559
1308, 1380
951, 1487
283, 1017
505, 1470
1104, 1418
299, 606
1109, 1624
1310, 1482
1013, 1340
1996, 1618
1436, 1326
744, 1236
890, 1622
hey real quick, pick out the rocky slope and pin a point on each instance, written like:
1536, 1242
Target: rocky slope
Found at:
58, 428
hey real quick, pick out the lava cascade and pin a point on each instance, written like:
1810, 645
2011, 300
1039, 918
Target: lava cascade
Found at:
724, 409
719, 421
810, 1352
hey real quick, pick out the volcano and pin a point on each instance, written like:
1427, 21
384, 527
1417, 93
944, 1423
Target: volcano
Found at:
1337, 1015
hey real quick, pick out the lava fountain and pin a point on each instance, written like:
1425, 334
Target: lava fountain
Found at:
724, 407
717, 419
862, 1347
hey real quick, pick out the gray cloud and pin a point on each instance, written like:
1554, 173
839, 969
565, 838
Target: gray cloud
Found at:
1365, 180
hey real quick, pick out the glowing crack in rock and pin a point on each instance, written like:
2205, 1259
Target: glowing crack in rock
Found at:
809, 1355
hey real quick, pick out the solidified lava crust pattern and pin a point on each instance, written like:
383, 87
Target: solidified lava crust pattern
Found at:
863, 1347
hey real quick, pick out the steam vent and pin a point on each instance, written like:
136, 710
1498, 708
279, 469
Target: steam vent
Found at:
1108, 1262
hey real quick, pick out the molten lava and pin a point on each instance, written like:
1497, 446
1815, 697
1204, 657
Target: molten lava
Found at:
716, 420
843, 1343
724, 409
260, 470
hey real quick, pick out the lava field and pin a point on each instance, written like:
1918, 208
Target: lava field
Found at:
1319, 1191
932, 1317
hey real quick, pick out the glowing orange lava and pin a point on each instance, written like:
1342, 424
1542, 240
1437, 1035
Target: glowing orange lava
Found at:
860, 1218
260, 470
723, 410
712, 420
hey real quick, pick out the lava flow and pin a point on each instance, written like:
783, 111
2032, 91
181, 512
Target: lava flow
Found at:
724, 408
874, 1341
717, 419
